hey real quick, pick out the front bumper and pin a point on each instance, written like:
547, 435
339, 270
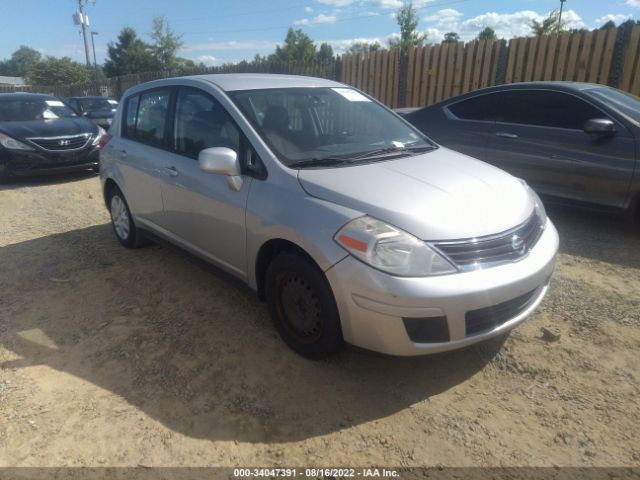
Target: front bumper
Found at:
20, 163
384, 313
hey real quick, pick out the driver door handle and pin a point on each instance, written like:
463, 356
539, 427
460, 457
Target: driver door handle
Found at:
171, 171
506, 135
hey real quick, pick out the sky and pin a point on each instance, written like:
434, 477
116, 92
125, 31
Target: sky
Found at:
220, 31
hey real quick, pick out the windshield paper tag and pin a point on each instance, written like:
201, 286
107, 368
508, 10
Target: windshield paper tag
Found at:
351, 95
54, 103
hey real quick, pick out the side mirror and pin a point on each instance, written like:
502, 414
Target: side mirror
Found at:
601, 127
222, 161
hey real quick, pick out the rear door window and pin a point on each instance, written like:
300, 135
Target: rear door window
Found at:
544, 108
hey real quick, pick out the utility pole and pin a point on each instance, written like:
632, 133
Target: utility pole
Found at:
83, 22
560, 15
93, 45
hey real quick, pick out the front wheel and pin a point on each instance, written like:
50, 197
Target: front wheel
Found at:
302, 306
123, 225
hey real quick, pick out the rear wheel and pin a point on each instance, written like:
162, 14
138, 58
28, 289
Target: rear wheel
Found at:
302, 306
122, 222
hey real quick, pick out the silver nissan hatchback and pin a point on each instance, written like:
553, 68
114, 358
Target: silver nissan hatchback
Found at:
349, 222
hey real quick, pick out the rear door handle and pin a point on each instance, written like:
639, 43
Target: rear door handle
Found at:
506, 135
171, 171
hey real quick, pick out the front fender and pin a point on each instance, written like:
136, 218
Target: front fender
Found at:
289, 213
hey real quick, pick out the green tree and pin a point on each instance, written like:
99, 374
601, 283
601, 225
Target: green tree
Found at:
608, 25
407, 19
548, 25
20, 62
166, 44
298, 47
58, 71
363, 48
129, 55
451, 37
488, 33
325, 53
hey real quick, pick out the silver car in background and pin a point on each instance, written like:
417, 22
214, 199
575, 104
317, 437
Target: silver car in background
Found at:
350, 223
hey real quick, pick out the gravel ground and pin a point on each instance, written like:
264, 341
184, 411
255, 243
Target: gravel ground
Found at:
111, 357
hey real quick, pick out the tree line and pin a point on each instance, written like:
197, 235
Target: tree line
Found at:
131, 54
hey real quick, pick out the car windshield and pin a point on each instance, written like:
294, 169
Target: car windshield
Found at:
317, 125
24, 110
95, 105
624, 103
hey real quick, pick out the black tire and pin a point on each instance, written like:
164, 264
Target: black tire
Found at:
302, 306
133, 238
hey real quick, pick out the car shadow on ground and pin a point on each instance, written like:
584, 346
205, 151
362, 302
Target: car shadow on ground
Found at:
192, 350
596, 235
44, 180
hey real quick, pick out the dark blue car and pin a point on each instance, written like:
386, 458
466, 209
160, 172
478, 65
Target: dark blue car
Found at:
40, 134
575, 142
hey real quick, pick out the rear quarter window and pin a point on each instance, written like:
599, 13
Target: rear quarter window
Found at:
146, 117
131, 116
480, 108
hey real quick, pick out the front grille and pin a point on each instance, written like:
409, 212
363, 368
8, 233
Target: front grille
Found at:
60, 144
492, 250
487, 318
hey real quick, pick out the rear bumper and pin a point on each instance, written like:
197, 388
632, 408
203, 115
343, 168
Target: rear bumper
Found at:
416, 316
37, 162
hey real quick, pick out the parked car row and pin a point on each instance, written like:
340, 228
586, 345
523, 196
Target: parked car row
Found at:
354, 225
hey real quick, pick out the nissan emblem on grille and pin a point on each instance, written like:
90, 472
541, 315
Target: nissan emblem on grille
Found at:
517, 244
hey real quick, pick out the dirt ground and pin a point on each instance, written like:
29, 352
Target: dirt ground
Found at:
112, 357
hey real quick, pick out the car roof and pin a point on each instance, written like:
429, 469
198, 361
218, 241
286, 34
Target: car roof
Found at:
548, 84
89, 97
553, 85
255, 81
26, 96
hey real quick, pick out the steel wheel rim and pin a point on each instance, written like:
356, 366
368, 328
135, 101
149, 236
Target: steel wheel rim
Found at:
120, 218
298, 307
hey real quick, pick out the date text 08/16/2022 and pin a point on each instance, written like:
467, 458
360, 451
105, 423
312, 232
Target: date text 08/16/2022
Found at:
316, 472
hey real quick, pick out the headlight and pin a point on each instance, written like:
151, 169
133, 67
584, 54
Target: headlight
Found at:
13, 144
539, 206
101, 132
390, 249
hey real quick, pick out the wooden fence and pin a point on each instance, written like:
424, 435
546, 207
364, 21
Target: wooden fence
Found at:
433, 73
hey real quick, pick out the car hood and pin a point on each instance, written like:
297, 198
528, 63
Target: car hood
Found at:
48, 128
439, 195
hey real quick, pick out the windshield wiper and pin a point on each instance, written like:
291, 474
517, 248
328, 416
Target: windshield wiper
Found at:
381, 152
319, 162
